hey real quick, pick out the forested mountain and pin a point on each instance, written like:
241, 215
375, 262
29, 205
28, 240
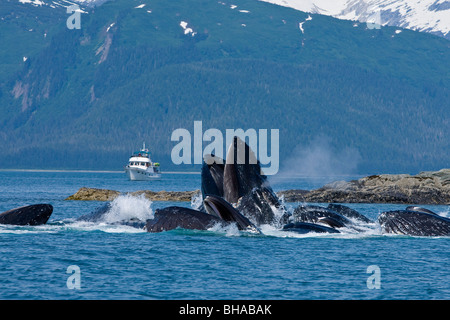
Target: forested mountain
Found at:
136, 70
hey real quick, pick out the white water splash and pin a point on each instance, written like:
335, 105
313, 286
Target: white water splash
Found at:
127, 207
196, 201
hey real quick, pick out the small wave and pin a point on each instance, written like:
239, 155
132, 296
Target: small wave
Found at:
75, 226
230, 230
344, 233
84, 226
13, 229
271, 231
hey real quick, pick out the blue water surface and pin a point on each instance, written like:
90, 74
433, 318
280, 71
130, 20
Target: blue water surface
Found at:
120, 262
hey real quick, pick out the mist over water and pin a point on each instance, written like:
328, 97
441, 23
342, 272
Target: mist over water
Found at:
319, 161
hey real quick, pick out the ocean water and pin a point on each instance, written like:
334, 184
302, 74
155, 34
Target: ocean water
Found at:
120, 262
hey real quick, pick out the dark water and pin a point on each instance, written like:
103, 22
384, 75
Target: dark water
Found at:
119, 262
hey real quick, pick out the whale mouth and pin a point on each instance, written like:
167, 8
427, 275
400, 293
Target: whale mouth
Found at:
32, 215
218, 207
44, 213
415, 223
212, 209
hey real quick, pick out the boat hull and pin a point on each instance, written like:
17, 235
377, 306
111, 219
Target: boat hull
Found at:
136, 174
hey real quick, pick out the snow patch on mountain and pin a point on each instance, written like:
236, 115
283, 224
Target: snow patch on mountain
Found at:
184, 25
34, 2
431, 16
300, 25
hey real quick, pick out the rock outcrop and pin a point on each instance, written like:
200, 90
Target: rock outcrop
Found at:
94, 194
423, 188
167, 195
108, 195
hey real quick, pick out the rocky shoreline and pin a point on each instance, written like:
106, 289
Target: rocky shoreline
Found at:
93, 194
423, 188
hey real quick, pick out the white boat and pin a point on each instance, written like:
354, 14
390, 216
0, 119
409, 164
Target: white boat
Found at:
141, 167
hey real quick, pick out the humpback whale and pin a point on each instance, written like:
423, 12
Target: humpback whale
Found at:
219, 212
414, 223
239, 180
234, 191
32, 215
258, 206
242, 171
305, 227
212, 176
348, 212
179, 217
317, 214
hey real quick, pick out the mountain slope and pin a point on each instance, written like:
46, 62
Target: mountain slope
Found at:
431, 16
137, 70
